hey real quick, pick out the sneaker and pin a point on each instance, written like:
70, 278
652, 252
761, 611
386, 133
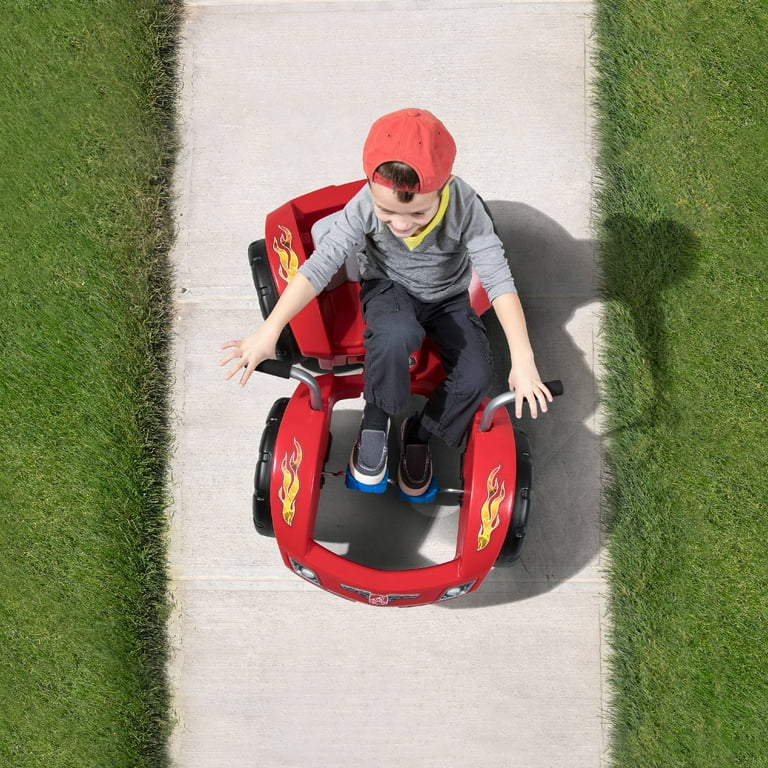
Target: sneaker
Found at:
368, 462
414, 472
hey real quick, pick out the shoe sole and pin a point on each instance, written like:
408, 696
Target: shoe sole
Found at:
425, 498
366, 479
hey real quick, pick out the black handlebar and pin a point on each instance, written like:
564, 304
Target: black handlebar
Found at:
285, 370
279, 368
555, 387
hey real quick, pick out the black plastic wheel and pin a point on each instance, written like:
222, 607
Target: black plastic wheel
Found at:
262, 510
512, 547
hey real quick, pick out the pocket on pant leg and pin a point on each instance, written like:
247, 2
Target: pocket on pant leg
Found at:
476, 360
481, 335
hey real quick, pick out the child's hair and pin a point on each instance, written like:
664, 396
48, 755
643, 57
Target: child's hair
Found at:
403, 178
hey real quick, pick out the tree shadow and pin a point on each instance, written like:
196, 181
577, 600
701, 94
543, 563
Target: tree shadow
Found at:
640, 260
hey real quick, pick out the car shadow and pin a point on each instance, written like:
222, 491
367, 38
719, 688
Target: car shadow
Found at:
556, 278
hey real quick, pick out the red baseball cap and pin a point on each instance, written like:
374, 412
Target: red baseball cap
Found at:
414, 137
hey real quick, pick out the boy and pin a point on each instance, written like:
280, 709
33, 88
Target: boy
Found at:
419, 231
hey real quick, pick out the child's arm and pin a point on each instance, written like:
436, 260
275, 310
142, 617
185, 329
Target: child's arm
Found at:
260, 346
524, 378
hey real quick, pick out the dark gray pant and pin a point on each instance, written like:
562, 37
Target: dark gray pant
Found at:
396, 324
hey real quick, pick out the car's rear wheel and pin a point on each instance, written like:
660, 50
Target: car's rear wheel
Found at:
512, 547
262, 508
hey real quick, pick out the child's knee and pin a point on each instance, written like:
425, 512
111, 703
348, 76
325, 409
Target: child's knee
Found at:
394, 337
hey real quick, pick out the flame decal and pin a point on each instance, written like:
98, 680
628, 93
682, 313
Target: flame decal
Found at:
289, 261
290, 490
489, 513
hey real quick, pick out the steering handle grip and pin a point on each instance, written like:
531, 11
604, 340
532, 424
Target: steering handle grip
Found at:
279, 368
555, 387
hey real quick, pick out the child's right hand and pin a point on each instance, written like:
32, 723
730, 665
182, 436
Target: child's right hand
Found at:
248, 353
260, 346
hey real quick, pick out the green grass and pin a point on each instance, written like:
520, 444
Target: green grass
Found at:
86, 152
682, 98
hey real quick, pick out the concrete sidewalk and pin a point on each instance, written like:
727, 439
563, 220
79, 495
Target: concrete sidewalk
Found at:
268, 670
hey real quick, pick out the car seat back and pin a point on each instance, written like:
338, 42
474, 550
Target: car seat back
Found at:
328, 333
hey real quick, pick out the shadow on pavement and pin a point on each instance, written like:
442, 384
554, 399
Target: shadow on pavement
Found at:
556, 277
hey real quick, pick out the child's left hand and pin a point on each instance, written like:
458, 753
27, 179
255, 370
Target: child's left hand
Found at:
525, 382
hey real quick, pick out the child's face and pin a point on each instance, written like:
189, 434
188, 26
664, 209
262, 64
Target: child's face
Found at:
403, 219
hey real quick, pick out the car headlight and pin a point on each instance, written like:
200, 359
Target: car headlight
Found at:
457, 591
304, 572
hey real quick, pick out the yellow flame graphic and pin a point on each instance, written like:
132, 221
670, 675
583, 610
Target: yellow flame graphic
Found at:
289, 261
290, 490
489, 513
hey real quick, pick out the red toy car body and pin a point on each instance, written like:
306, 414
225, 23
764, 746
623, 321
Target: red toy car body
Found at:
327, 337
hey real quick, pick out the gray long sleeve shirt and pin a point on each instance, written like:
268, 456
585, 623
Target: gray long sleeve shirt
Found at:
436, 269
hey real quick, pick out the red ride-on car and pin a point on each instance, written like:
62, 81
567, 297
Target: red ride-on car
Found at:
323, 350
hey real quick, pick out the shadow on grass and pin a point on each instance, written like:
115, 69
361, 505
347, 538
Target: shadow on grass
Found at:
640, 261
